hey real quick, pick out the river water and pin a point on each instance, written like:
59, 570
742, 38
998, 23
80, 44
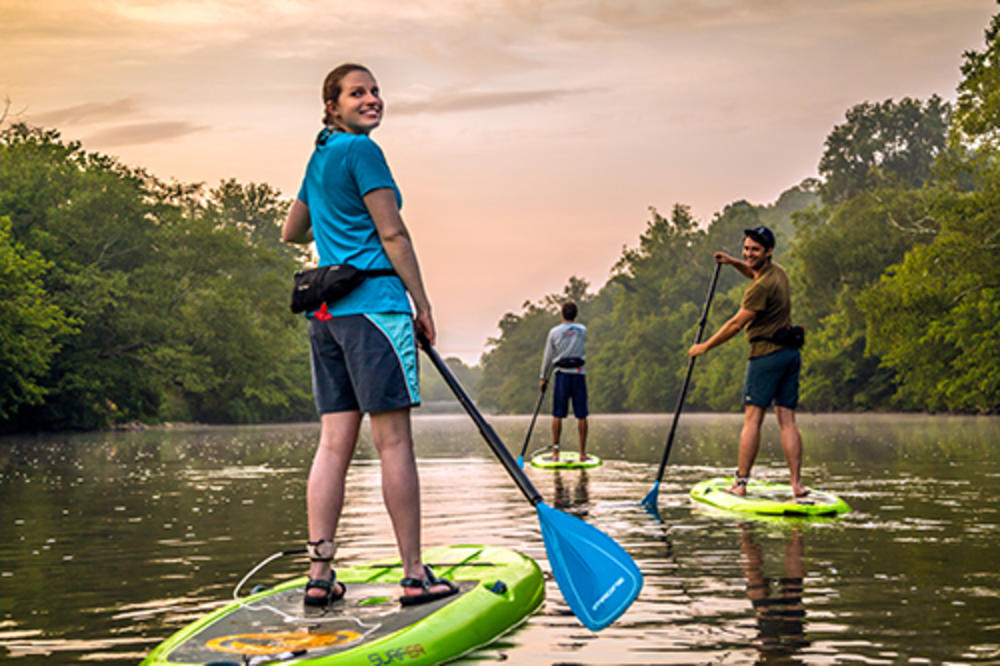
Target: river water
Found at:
109, 542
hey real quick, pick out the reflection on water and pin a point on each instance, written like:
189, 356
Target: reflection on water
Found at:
110, 542
777, 602
569, 491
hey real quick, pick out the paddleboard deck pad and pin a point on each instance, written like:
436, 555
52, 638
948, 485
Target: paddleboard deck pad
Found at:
498, 589
768, 498
567, 460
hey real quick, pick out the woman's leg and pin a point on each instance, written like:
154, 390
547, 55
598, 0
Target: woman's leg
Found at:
401, 487
327, 477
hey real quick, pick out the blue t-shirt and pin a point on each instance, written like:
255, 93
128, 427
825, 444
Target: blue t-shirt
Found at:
343, 168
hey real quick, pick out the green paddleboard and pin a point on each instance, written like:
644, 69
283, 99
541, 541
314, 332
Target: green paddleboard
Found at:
768, 498
567, 460
498, 589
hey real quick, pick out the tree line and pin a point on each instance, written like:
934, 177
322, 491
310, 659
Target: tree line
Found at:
126, 299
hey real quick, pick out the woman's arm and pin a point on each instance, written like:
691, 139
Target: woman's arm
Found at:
398, 246
298, 227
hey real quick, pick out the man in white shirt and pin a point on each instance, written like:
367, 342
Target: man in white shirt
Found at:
564, 352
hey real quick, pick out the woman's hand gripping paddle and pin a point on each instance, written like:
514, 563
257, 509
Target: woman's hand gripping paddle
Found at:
598, 579
651, 500
527, 438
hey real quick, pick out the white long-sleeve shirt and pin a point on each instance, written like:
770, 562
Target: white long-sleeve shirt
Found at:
567, 340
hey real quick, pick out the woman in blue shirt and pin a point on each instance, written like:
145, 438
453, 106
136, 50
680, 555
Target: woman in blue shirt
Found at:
364, 352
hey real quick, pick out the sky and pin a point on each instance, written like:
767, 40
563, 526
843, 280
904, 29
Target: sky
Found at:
530, 138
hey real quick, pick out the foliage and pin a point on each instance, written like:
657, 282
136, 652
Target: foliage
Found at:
30, 326
977, 111
888, 143
935, 316
667, 269
837, 253
177, 296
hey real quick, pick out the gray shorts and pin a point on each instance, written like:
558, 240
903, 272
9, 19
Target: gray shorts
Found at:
773, 378
365, 363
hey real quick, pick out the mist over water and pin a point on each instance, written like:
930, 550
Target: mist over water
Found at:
110, 542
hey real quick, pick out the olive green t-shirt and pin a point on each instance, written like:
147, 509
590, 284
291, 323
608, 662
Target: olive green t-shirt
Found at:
769, 297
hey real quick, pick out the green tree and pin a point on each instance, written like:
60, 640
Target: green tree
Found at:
887, 143
178, 297
837, 254
636, 371
977, 111
236, 353
878, 169
232, 351
95, 222
30, 325
934, 317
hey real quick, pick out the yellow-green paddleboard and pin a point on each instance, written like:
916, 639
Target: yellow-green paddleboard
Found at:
498, 589
767, 497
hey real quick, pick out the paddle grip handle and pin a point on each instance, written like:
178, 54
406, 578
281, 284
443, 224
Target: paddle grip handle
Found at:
485, 429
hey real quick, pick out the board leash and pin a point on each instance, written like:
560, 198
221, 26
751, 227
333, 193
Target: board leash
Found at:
288, 617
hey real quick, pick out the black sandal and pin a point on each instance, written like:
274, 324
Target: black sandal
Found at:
429, 581
319, 554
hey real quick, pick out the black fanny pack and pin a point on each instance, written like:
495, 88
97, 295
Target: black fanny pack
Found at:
787, 336
570, 362
326, 284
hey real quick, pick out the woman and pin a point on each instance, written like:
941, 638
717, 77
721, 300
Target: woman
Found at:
364, 353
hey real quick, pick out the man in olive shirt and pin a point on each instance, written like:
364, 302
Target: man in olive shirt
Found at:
773, 370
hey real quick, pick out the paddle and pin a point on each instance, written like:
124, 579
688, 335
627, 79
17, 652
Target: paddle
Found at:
652, 498
527, 438
598, 579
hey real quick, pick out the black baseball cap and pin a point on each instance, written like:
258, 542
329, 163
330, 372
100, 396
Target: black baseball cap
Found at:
762, 235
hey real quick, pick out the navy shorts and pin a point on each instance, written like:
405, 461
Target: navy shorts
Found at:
569, 385
365, 363
773, 378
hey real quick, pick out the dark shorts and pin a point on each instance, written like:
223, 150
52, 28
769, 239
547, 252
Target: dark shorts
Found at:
569, 385
365, 363
773, 378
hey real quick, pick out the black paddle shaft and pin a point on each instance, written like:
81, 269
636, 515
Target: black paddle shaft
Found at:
491, 437
687, 376
534, 415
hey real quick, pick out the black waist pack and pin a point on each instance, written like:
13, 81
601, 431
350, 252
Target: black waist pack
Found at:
326, 284
570, 362
787, 336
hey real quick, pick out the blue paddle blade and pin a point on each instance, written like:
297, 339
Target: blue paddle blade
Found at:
598, 579
651, 500
520, 462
